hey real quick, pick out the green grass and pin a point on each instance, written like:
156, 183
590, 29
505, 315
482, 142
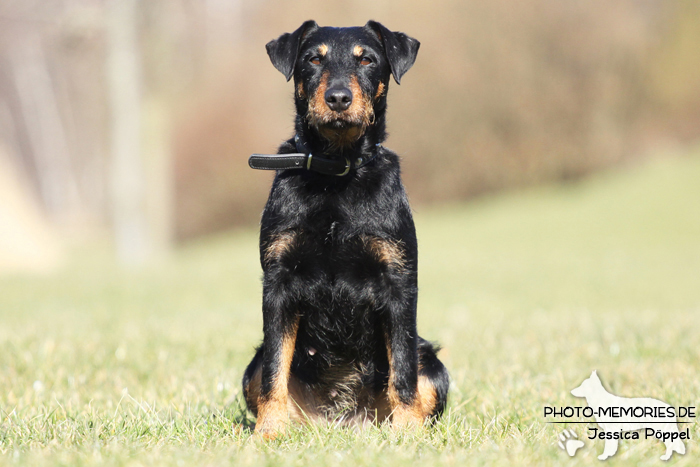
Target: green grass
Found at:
527, 292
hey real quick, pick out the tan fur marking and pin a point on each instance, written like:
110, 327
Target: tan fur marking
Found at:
361, 108
387, 252
280, 245
272, 410
380, 91
300, 90
323, 50
423, 403
417, 412
358, 51
317, 104
359, 115
301, 403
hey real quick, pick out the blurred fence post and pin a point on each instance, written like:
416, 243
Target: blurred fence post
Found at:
139, 207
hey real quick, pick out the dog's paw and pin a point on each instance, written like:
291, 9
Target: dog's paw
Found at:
268, 434
405, 418
270, 428
269, 431
272, 418
569, 442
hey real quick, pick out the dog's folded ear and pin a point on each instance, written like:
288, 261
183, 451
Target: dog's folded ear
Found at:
400, 49
284, 50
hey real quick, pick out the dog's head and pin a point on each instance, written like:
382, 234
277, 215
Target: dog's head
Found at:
588, 387
342, 74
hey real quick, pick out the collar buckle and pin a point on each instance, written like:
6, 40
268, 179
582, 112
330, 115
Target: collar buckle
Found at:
320, 161
347, 168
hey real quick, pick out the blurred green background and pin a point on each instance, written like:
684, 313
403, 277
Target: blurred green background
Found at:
564, 237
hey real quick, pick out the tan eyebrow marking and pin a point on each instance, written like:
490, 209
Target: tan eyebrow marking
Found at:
358, 51
323, 49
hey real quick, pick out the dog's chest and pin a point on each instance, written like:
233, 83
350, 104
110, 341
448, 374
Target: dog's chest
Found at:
327, 236
338, 218
332, 233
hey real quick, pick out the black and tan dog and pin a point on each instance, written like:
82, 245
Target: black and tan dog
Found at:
338, 246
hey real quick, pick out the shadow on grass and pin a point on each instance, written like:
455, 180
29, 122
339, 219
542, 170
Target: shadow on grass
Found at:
240, 416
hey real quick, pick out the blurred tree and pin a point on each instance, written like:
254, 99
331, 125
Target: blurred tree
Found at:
127, 173
43, 125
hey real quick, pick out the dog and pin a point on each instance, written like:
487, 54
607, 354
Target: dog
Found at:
616, 415
338, 246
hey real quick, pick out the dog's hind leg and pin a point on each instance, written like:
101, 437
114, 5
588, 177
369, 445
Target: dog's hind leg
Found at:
251, 382
431, 392
433, 380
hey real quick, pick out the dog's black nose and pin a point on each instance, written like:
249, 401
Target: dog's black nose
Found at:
338, 99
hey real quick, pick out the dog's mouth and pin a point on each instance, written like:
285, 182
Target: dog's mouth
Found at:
340, 134
338, 121
340, 128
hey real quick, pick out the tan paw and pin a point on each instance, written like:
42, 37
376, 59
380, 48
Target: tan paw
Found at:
270, 429
272, 418
404, 417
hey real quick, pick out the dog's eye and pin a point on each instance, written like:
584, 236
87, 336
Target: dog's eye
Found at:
315, 60
365, 61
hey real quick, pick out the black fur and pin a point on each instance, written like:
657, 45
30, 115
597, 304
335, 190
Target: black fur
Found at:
346, 299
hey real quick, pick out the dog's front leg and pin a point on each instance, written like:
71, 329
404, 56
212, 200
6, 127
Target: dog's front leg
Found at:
396, 296
402, 352
280, 325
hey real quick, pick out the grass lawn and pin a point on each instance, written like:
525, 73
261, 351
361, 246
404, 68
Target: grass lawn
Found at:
527, 292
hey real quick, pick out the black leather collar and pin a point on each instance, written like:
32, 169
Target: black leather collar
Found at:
304, 159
